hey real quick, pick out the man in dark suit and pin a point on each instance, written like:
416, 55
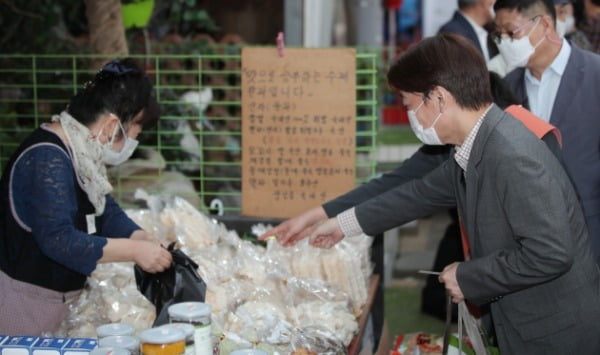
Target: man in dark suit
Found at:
530, 258
559, 83
469, 21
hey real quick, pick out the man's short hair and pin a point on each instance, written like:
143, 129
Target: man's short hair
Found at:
463, 4
447, 60
528, 8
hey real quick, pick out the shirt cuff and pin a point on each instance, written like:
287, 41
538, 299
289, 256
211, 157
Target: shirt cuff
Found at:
349, 223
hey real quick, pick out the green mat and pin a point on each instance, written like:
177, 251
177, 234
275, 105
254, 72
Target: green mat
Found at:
403, 315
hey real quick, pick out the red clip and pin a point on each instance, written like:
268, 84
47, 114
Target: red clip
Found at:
280, 44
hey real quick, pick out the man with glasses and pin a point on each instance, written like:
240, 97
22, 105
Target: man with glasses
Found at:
559, 83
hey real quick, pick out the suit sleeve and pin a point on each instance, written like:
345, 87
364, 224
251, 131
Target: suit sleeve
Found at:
534, 205
415, 199
426, 159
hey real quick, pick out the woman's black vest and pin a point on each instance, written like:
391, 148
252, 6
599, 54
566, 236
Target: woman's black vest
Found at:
20, 256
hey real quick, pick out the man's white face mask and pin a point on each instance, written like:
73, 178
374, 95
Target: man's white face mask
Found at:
565, 27
426, 135
516, 52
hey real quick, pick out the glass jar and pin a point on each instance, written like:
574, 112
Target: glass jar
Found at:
111, 329
128, 342
109, 351
188, 330
198, 315
162, 341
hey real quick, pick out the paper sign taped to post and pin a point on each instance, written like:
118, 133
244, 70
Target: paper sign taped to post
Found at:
298, 128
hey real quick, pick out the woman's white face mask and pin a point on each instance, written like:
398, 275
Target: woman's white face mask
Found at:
426, 135
116, 158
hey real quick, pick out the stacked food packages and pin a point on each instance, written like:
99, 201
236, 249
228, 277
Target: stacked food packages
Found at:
275, 298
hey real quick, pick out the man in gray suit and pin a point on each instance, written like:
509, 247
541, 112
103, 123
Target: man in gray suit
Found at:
530, 258
561, 84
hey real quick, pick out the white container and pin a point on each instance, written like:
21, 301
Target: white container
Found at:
197, 314
109, 351
48, 346
80, 346
188, 330
162, 341
127, 342
17, 345
111, 329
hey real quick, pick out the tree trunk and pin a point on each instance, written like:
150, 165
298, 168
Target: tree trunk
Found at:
107, 33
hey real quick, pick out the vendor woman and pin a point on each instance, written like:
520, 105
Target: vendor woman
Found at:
57, 219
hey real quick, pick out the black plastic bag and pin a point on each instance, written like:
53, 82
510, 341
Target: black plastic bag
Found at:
179, 283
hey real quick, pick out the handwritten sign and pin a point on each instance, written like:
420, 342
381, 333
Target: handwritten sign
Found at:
298, 128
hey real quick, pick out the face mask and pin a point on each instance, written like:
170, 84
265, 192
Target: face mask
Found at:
116, 158
426, 135
516, 52
565, 27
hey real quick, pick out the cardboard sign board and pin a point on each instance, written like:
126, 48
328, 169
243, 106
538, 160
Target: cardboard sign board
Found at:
298, 128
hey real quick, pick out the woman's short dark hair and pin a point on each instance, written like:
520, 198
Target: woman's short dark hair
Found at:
151, 114
445, 60
121, 87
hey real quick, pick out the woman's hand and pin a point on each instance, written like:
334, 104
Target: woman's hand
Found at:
152, 257
296, 228
149, 255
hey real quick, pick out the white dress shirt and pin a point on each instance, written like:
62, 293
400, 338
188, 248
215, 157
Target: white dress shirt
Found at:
542, 93
482, 36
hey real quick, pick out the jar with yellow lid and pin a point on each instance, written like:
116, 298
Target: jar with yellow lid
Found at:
197, 314
162, 341
188, 330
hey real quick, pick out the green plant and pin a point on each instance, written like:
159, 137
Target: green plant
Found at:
185, 18
38, 26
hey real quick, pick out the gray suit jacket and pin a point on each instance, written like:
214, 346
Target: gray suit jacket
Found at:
576, 113
423, 161
531, 257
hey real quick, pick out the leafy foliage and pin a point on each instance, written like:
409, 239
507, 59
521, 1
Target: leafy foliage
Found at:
39, 26
60, 26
